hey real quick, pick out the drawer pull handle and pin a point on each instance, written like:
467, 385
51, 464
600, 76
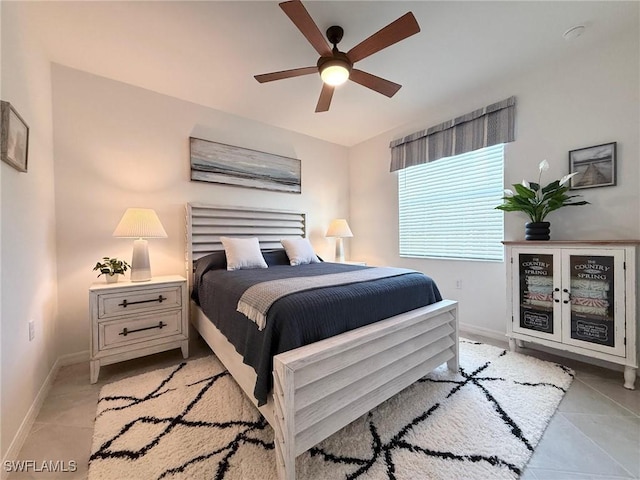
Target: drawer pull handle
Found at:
126, 331
125, 304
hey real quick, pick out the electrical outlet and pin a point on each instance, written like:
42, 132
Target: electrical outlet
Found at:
459, 284
32, 330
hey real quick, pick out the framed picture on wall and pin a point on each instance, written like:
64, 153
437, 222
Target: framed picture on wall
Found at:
14, 137
595, 166
219, 163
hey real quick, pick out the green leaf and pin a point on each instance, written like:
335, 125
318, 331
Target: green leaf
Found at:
552, 186
524, 191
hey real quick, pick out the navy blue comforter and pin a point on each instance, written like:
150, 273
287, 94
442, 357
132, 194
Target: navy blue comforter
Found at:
304, 317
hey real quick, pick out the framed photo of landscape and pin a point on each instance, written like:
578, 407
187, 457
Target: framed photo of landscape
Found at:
595, 166
219, 163
14, 137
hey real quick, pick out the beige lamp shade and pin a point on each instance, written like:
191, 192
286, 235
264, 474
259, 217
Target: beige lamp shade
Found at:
339, 228
140, 223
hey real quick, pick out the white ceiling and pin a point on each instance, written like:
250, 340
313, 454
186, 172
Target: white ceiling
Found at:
207, 52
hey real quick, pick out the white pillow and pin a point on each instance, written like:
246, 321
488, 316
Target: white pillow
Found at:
299, 251
243, 253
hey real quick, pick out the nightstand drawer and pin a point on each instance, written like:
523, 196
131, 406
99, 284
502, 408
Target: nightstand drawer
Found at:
137, 301
126, 331
134, 319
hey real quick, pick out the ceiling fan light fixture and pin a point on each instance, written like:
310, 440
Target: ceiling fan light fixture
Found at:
336, 67
334, 72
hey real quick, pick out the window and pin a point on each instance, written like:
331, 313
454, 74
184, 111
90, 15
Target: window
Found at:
447, 207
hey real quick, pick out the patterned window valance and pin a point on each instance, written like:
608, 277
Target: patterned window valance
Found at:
481, 128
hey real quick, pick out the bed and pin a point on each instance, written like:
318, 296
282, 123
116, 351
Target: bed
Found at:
320, 387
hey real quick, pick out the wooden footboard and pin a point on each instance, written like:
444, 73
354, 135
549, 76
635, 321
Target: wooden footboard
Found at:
322, 387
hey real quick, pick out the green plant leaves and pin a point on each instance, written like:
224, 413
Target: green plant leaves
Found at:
111, 266
537, 203
524, 191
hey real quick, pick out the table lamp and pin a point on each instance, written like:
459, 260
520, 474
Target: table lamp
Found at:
140, 223
339, 228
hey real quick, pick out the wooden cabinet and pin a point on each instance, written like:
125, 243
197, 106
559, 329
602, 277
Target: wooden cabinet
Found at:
576, 296
133, 319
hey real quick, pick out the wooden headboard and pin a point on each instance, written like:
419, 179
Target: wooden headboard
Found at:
207, 223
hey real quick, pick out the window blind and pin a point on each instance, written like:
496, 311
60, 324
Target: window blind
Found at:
447, 208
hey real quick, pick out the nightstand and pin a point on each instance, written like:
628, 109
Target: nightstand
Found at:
133, 319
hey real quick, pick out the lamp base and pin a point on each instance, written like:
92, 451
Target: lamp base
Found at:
140, 266
339, 250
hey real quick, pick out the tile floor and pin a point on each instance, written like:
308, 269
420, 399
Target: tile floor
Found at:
594, 435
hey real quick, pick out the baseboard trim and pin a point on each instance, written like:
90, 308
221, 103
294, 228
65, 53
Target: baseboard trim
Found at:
34, 410
29, 419
73, 358
484, 332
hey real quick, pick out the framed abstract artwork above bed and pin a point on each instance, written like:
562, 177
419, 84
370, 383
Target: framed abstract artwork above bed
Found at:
219, 163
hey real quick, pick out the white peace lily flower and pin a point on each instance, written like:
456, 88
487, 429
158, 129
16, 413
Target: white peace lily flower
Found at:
539, 201
566, 178
544, 166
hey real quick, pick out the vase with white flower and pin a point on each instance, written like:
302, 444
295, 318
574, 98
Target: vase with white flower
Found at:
537, 202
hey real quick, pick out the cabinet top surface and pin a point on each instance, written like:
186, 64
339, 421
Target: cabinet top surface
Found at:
538, 243
155, 281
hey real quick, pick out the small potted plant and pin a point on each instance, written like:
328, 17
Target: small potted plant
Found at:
111, 267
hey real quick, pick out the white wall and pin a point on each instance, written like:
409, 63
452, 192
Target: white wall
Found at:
589, 99
119, 146
28, 231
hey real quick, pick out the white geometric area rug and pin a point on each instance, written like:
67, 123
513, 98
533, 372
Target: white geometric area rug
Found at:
192, 421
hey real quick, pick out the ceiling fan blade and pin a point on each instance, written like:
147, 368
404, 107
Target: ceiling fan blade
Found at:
380, 85
296, 72
295, 10
325, 98
403, 27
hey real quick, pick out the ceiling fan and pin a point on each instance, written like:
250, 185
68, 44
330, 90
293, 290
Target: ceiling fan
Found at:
336, 67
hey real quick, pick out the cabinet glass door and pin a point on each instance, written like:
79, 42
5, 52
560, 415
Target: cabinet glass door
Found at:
594, 302
537, 283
